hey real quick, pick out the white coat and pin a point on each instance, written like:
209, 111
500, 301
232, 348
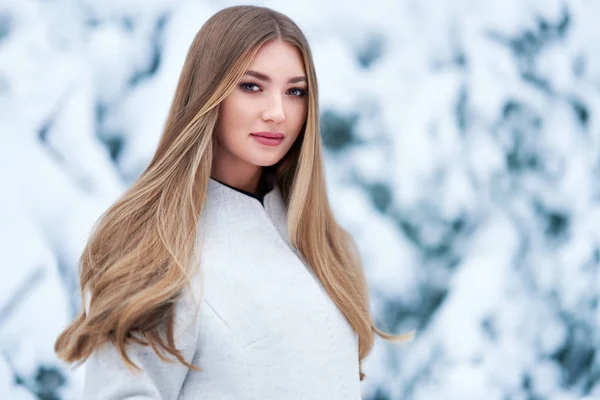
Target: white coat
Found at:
265, 329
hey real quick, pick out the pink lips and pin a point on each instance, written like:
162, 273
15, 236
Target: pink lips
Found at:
268, 138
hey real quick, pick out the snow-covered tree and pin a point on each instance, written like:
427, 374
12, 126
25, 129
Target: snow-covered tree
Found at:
462, 144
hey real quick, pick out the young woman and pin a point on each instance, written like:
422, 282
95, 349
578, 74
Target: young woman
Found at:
221, 273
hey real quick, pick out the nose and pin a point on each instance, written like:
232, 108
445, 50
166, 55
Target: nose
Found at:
274, 111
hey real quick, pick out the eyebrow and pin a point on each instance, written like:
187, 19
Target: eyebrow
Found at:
266, 78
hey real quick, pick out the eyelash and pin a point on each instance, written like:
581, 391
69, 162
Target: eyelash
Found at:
245, 84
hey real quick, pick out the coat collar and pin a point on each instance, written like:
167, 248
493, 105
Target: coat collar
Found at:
224, 203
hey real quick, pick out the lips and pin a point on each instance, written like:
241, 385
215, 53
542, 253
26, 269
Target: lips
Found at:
268, 138
269, 135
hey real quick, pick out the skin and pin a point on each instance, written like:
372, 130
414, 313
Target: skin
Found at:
260, 103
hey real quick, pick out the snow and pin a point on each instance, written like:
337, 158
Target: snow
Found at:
470, 180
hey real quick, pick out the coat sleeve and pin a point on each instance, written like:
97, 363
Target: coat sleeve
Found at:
107, 377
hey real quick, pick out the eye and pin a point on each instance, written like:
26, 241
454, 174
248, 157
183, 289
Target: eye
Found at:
298, 92
250, 87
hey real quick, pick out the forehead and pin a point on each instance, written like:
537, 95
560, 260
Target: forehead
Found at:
278, 58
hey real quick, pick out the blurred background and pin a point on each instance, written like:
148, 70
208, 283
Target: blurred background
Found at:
462, 148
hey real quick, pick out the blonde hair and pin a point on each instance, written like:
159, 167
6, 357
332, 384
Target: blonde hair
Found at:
138, 259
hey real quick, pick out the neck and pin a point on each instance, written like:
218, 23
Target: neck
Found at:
237, 174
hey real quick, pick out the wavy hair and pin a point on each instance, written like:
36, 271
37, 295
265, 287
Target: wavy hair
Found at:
138, 258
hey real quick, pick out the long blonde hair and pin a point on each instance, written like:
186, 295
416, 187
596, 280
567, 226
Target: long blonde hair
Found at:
137, 260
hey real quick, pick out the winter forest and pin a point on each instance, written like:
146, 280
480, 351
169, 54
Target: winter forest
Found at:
462, 146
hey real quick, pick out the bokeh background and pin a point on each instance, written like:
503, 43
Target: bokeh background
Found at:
462, 146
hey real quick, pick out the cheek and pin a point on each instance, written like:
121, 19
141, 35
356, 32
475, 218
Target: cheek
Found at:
296, 115
233, 119
295, 126
229, 112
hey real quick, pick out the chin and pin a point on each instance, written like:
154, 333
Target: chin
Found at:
263, 160
266, 162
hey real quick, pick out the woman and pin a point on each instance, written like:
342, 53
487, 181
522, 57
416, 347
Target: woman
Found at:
221, 273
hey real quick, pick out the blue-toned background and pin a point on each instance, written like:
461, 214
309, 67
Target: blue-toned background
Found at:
463, 144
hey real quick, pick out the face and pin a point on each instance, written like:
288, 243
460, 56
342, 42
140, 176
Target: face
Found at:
270, 100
